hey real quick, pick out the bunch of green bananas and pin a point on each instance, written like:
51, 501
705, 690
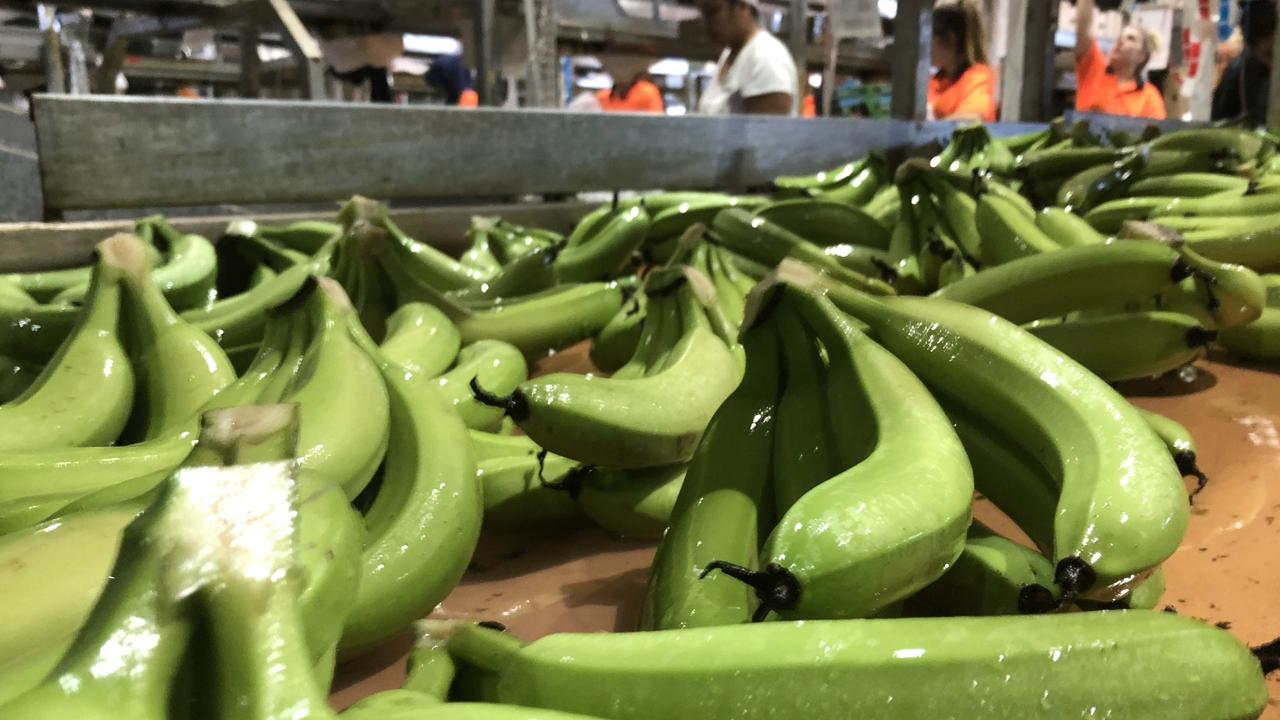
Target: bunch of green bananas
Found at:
297, 433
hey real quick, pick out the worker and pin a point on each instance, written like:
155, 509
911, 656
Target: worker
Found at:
357, 57
1247, 81
633, 90
755, 73
448, 75
1114, 86
963, 87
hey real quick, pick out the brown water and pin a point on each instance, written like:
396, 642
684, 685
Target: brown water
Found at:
1225, 571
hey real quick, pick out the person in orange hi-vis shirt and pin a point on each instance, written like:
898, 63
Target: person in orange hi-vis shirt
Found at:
1114, 85
633, 90
964, 86
448, 75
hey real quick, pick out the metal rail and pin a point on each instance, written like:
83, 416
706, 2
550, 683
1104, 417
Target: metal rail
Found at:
110, 152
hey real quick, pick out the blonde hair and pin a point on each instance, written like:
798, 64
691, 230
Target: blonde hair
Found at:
963, 18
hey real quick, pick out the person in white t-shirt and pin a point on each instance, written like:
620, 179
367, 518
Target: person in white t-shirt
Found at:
755, 74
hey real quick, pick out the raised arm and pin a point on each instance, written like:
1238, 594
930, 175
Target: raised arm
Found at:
1084, 27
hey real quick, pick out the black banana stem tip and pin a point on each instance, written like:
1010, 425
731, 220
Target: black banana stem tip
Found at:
1180, 271
1036, 599
633, 305
1200, 337
1251, 188
571, 482
1075, 576
775, 586
550, 254
887, 272
1186, 462
492, 625
615, 201
1269, 655
515, 404
939, 248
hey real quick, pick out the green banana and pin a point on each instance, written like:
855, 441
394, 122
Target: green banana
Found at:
336, 382
51, 576
15, 377
885, 206
604, 254
479, 259
616, 342
677, 219
523, 492
1258, 341
592, 222
1070, 279
1249, 241
992, 576
1127, 346
1134, 664
535, 324
1089, 188
496, 445
91, 363
866, 261
422, 339
178, 367
40, 484
1241, 144
804, 441
764, 242
89, 478
491, 363
1109, 217
307, 236
954, 269
960, 211
1235, 294
244, 239
1067, 229
186, 277
1180, 444
1008, 475
822, 179
1007, 233
724, 501
830, 556
364, 217
532, 272
824, 222
1218, 205
1190, 185
238, 321
627, 423
1148, 595
631, 503
857, 189
1122, 506
425, 520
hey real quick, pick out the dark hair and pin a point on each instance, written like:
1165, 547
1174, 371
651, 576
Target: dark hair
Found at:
1257, 21
961, 23
755, 11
